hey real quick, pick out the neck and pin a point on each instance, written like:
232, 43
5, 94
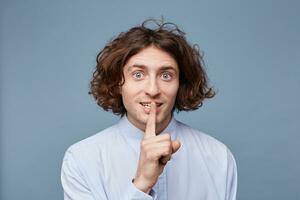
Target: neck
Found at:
163, 125
159, 126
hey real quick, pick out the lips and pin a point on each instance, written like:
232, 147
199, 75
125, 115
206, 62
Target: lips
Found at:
148, 104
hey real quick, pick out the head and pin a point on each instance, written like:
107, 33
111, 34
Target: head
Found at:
135, 68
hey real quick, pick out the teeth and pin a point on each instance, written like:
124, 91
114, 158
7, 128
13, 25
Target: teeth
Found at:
148, 105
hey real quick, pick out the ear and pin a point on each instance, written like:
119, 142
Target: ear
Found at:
120, 84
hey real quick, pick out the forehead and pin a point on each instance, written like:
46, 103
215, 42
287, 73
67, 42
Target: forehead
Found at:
152, 58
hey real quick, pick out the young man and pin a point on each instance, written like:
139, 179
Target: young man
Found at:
144, 75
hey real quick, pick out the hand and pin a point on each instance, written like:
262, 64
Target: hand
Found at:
155, 152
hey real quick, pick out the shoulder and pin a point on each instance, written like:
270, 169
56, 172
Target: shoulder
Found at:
201, 142
189, 132
94, 145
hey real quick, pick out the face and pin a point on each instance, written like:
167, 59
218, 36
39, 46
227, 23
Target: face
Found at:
151, 75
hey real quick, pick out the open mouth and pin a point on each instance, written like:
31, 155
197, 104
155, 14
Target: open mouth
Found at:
148, 104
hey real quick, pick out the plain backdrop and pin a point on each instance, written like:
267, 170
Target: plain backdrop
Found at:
252, 56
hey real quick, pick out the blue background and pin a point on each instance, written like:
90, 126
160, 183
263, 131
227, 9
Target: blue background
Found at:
47, 56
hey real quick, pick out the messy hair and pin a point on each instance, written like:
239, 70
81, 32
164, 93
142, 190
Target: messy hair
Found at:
108, 76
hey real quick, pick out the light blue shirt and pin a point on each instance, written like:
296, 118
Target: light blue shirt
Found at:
102, 167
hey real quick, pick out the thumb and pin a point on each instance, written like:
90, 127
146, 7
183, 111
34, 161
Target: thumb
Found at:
175, 146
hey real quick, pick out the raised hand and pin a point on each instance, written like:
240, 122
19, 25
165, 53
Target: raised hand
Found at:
155, 152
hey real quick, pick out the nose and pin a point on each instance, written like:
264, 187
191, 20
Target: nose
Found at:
152, 88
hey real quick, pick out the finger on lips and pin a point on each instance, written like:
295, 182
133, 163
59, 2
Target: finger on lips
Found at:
151, 126
160, 141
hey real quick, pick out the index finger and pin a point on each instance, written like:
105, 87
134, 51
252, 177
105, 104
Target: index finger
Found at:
151, 122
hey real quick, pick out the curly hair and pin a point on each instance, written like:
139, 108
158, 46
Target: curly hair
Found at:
108, 76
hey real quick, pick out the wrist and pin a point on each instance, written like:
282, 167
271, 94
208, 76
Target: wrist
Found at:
141, 185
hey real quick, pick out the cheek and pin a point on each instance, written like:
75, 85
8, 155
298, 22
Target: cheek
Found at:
129, 92
172, 90
126, 95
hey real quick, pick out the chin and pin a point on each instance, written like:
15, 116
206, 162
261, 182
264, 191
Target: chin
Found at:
142, 118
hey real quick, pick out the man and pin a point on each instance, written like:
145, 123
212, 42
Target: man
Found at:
144, 75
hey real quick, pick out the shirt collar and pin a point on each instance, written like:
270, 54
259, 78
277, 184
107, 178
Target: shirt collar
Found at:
134, 135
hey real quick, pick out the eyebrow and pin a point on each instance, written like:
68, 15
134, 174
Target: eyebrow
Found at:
144, 67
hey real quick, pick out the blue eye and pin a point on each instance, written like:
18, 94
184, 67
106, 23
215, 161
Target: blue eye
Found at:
166, 76
138, 75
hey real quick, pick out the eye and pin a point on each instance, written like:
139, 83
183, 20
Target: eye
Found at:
138, 75
167, 76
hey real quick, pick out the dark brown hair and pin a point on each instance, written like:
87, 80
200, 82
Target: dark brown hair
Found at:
108, 76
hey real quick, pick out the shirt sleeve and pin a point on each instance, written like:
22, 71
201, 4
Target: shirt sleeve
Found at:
73, 183
76, 188
231, 182
133, 193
